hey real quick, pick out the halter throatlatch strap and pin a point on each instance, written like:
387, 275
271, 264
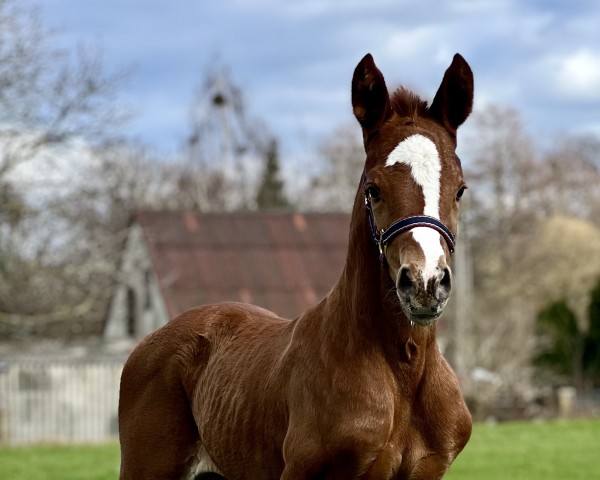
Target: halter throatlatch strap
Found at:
384, 237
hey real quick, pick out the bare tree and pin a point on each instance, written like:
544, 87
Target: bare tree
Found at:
48, 98
531, 243
48, 95
51, 100
63, 285
341, 157
504, 169
569, 180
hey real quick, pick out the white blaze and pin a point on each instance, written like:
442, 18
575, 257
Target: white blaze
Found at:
421, 155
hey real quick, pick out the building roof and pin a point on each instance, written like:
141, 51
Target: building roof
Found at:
284, 262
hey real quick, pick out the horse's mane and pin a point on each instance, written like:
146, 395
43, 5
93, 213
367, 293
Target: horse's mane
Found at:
408, 104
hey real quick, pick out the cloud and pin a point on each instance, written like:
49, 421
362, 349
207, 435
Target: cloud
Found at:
410, 43
578, 75
295, 59
568, 78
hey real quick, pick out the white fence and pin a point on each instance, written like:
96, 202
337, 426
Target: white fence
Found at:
66, 401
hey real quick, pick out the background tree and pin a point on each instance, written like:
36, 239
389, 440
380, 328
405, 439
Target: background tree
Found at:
567, 185
52, 101
560, 342
340, 158
501, 164
562, 260
62, 285
498, 159
271, 194
49, 95
529, 228
568, 349
591, 353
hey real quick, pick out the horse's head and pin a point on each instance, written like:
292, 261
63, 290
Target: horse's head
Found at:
413, 181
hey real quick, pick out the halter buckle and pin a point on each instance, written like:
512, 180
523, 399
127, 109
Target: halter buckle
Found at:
381, 245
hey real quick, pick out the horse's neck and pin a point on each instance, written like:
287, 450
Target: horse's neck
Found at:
362, 310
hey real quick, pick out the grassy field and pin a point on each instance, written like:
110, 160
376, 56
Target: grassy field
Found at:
531, 451
98, 462
515, 451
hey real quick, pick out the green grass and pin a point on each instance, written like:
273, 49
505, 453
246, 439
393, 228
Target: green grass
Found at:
60, 462
514, 451
531, 451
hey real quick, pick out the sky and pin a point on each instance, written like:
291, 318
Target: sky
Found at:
294, 59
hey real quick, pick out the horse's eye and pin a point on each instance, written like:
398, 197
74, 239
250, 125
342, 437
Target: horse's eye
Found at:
373, 193
460, 192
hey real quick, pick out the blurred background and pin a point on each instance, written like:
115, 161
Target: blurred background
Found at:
157, 155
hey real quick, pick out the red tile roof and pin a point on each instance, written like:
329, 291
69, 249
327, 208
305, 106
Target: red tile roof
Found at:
281, 261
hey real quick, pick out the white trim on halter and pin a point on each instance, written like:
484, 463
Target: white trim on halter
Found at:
421, 155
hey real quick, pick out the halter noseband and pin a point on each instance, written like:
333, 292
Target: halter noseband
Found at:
384, 236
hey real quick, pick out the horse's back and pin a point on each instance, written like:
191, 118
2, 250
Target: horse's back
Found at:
158, 432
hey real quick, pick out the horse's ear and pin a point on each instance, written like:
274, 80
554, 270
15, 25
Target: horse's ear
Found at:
370, 99
453, 101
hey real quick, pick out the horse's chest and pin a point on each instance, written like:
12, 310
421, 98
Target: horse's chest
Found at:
411, 453
429, 434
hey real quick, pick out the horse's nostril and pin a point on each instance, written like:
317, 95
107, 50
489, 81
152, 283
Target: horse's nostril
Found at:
405, 284
446, 280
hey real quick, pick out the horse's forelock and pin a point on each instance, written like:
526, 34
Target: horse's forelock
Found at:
405, 103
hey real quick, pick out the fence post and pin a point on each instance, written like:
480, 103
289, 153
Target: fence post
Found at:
566, 401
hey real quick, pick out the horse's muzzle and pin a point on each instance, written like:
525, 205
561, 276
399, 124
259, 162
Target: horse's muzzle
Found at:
423, 297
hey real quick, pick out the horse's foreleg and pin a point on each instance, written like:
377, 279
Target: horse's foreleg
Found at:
158, 440
158, 435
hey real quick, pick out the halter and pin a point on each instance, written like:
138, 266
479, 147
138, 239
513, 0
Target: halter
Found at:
384, 237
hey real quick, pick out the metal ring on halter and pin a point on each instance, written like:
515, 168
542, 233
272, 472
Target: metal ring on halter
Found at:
384, 236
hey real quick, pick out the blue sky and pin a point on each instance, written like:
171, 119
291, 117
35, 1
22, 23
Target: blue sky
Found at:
294, 58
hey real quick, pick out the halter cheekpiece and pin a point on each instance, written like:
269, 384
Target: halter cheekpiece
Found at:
384, 236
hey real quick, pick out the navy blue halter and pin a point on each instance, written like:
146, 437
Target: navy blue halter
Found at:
384, 237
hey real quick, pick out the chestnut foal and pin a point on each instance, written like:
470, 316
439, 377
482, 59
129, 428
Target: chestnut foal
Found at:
356, 387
